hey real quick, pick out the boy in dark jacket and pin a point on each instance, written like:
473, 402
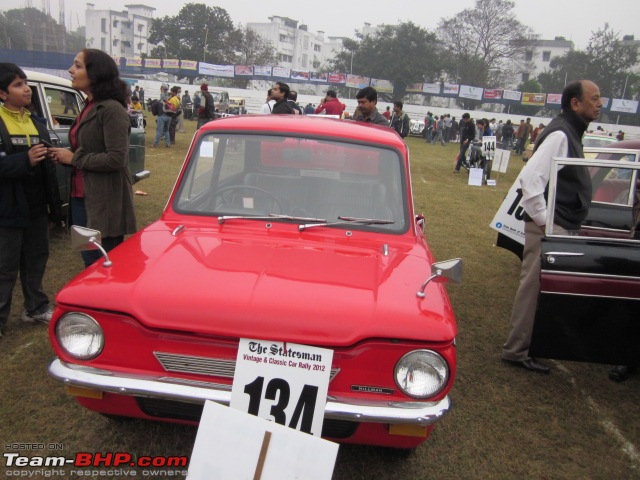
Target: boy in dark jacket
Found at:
29, 198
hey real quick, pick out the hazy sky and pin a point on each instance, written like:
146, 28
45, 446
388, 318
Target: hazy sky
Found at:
573, 19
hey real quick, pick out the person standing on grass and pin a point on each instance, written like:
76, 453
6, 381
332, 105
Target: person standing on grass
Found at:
467, 134
101, 194
581, 103
29, 199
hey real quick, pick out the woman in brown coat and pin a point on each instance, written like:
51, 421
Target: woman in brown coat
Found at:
101, 194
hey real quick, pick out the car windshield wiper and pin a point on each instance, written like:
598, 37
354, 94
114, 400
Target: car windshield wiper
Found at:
347, 220
271, 216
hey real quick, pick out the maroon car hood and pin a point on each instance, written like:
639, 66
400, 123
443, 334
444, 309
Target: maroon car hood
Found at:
269, 286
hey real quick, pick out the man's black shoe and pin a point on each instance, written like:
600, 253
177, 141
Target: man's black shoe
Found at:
620, 373
530, 364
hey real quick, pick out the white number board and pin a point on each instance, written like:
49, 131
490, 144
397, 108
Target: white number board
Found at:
489, 146
283, 382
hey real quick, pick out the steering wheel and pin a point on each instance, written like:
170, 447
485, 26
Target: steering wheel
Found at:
223, 194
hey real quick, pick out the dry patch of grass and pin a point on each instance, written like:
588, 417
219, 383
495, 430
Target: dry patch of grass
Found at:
506, 423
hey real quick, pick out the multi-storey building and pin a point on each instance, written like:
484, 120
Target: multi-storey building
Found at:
296, 47
119, 33
540, 53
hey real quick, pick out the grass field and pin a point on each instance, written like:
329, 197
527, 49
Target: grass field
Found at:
506, 423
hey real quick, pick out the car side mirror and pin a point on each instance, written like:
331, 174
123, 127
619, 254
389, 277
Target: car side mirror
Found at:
83, 238
443, 272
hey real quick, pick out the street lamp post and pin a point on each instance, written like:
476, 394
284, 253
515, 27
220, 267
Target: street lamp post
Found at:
204, 50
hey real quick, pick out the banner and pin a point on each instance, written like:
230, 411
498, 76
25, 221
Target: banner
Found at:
451, 89
357, 81
554, 99
414, 87
537, 99
605, 102
511, 95
624, 106
382, 85
431, 88
281, 72
300, 74
188, 64
317, 77
241, 70
152, 63
467, 91
171, 63
133, 62
337, 78
492, 94
260, 70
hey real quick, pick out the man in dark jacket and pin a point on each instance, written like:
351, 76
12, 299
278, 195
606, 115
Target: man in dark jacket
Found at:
581, 103
400, 121
467, 134
206, 111
29, 199
280, 93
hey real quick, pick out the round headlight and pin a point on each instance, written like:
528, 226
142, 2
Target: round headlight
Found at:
421, 373
80, 336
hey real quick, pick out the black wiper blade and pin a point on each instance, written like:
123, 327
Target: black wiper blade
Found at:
271, 216
347, 220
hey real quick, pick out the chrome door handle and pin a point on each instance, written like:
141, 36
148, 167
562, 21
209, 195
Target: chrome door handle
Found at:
551, 256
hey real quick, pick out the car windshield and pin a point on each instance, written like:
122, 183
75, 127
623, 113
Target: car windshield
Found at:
305, 178
594, 141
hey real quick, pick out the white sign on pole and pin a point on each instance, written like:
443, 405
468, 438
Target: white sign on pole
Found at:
231, 445
284, 382
501, 161
475, 177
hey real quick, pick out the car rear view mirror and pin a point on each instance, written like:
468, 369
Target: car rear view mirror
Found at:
443, 272
83, 238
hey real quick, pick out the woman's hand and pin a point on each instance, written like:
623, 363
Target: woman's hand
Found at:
61, 155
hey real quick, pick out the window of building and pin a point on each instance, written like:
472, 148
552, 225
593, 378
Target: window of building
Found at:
115, 23
546, 56
528, 56
304, 60
285, 58
140, 46
305, 43
103, 44
140, 27
286, 38
103, 25
525, 77
115, 42
317, 48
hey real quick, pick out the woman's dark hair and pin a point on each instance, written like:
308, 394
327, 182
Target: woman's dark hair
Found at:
8, 73
572, 90
104, 76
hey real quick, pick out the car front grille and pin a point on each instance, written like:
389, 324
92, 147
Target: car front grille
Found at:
191, 412
214, 367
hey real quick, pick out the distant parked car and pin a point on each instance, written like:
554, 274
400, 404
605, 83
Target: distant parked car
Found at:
55, 100
280, 228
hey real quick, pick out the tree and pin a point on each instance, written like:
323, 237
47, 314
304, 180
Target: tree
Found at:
485, 45
254, 50
606, 61
402, 54
197, 32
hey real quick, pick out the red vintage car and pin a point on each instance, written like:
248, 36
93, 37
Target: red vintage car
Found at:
281, 228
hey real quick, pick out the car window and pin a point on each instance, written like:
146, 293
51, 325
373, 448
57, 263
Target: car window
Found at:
614, 211
304, 177
64, 105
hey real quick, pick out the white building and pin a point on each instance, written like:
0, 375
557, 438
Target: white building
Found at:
540, 53
119, 33
295, 46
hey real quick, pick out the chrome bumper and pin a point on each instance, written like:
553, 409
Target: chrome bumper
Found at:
419, 413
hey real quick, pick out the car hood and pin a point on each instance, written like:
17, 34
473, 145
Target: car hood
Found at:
301, 287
